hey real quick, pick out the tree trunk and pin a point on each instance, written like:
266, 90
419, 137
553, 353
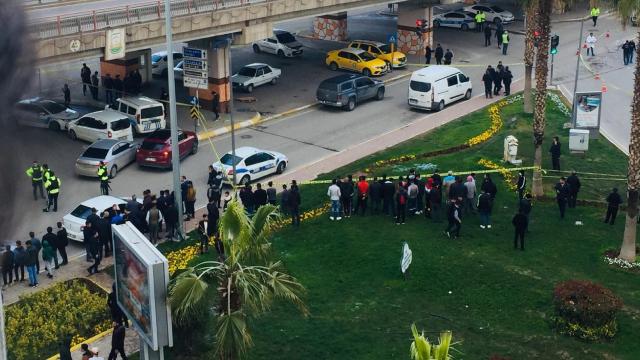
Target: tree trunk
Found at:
628, 249
529, 53
542, 68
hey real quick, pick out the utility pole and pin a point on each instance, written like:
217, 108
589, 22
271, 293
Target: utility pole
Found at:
233, 131
575, 81
173, 118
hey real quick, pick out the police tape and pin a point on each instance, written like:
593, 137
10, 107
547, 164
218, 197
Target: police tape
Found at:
461, 65
593, 178
583, 173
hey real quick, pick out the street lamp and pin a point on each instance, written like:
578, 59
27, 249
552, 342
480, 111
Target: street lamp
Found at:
233, 131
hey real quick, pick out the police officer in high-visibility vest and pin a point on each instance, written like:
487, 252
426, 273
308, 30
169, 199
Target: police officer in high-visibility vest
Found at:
46, 172
53, 190
483, 19
103, 175
478, 19
595, 12
505, 42
35, 172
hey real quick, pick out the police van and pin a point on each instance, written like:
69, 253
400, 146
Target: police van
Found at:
146, 115
433, 87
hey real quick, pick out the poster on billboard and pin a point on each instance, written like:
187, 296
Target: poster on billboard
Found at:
115, 44
142, 278
588, 107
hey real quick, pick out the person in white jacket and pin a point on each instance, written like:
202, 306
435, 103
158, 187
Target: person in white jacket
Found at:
334, 195
591, 43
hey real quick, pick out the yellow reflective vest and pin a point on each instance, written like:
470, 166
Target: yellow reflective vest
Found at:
595, 11
103, 174
53, 185
35, 173
505, 37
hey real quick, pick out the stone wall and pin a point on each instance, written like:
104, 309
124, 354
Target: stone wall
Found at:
330, 27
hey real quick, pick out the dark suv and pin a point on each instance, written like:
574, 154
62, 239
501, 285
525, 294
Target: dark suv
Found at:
348, 90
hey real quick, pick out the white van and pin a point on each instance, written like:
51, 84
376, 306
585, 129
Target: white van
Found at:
433, 87
104, 124
146, 114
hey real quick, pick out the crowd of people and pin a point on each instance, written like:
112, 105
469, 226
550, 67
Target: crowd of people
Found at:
495, 79
114, 87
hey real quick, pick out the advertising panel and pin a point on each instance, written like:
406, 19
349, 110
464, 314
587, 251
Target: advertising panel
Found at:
116, 41
588, 107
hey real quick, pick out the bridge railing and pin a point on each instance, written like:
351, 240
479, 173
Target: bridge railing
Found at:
125, 15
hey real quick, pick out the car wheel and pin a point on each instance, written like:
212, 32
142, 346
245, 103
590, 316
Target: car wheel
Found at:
441, 105
245, 180
113, 172
194, 148
73, 135
274, 81
380, 94
366, 72
53, 125
497, 20
333, 66
250, 88
280, 53
256, 48
436, 23
281, 167
467, 95
464, 27
351, 104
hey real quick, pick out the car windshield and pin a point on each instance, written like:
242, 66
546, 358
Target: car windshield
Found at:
151, 112
52, 107
156, 58
247, 71
152, 146
121, 124
419, 86
95, 153
386, 48
82, 212
366, 56
285, 38
497, 9
227, 160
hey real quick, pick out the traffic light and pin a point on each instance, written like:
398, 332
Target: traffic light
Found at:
419, 27
425, 25
555, 41
536, 38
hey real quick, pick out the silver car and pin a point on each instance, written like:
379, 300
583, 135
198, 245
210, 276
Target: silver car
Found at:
116, 154
40, 112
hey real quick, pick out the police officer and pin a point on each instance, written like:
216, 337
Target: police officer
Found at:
35, 173
505, 42
46, 172
103, 175
53, 189
562, 195
478, 19
595, 12
483, 19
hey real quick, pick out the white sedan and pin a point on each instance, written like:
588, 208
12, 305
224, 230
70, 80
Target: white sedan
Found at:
457, 19
75, 220
493, 13
251, 164
253, 75
40, 112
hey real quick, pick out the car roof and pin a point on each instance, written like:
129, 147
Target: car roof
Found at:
255, 65
353, 51
370, 42
341, 78
437, 71
102, 202
139, 100
163, 134
246, 151
104, 144
30, 100
280, 31
106, 115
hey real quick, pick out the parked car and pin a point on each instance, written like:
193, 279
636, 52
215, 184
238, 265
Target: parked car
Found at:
155, 150
253, 75
115, 154
45, 113
251, 164
76, 219
282, 43
382, 51
178, 71
463, 20
145, 114
356, 60
103, 124
159, 62
433, 87
493, 13
349, 90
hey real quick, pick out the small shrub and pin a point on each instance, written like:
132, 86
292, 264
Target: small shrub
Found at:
585, 310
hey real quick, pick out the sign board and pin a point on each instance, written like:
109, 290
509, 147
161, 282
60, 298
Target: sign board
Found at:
392, 39
74, 45
407, 257
588, 108
194, 53
195, 68
116, 44
142, 278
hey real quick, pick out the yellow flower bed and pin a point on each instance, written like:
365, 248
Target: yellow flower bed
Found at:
508, 176
496, 125
35, 324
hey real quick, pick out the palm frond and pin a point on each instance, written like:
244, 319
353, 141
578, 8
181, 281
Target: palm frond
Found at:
250, 285
186, 295
232, 336
235, 225
420, 348
442, 350
287, 287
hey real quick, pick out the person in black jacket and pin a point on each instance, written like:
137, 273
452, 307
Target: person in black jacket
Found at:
439, 54
448, 57
246, 197
522, 184
117, 342
117, 315
555, 153
525, 207
484, 208
574, 188
203, 232
487, 80
506, 80
427, 54
259, 196
7, 262
104, 234
19, 260
375, 193
489, 187
562, 195
62, 242
487, 36
213, 215
346, 196
294, 203
613, 203
497, 79
455, 222
435, 200
519, 222
388, 190
52, 239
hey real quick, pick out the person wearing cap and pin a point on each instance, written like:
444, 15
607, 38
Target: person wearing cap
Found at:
96, 354
613, 203
35, 172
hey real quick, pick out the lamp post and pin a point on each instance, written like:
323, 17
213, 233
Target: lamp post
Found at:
233, 131
575, 81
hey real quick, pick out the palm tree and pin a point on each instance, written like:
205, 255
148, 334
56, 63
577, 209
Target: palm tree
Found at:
530, 8
248, 282
542, 57
422, 349
626, 8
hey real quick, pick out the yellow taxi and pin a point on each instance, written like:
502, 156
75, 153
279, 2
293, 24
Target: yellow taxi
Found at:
382, 51
356, 60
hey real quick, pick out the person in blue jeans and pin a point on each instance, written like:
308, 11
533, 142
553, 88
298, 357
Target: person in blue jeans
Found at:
31, 260
334, 195
484, 208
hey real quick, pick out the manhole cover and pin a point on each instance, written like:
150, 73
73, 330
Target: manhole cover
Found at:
245, 136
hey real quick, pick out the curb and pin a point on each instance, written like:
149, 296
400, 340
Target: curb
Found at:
87, 341
257, 118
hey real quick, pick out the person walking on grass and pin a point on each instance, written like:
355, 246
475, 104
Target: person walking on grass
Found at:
484, 208
520, 222
525, 207
455, 220
521, 185
613, 203
555, 150
574, 188
334, 195
562, 195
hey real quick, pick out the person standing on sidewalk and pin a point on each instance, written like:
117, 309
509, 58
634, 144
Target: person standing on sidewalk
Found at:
506, 80
613, 203
107, 83
30, 262
215, 104
19, 260
37, 244
294, 204
117, 342
53, 190
95, 83
520, 223
85, 76
591, 43
448, 57
505, 42
595, 12
7, 263
488, 81
334, 195
498, 33
487, 36
427, 54
439, 54
632, 50
47, 256
52, 239
62, 242
66, 92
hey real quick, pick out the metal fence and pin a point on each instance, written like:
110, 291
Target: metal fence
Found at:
125, 15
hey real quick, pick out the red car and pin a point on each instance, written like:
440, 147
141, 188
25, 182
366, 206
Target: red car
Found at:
155, 150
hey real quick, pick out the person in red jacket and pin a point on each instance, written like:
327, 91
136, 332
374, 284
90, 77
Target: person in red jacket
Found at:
363, 193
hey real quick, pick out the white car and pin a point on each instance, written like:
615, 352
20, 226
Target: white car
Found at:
159, 62
104, 124
40, 112
457, 19
493, 13
178, 71
282, 43
251, 164
253, 75
76, 219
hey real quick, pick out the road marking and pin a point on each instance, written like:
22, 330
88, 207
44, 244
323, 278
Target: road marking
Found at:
295, 140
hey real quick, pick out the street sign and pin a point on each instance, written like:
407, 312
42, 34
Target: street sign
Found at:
191, 64
194, 113
194, 53
392, 38
195, 68
195, 83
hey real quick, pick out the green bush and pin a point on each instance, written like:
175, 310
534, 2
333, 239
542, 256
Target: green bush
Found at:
585, 310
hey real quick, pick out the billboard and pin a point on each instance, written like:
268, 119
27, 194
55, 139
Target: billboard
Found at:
115, 44
588, 107
142, 278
